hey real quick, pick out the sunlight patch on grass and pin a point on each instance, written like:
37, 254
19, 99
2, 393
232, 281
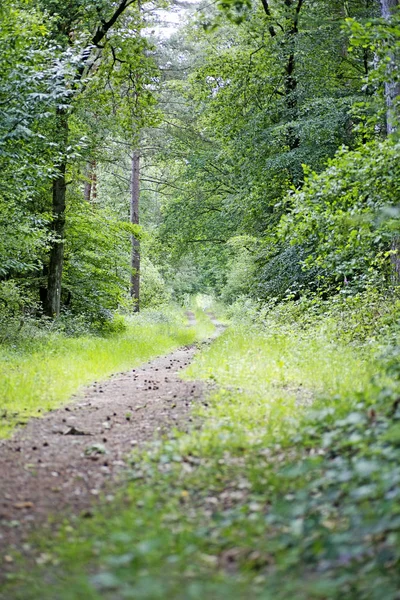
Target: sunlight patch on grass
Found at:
267, 381
260, 362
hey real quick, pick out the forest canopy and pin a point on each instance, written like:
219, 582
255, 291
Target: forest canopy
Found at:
261, 138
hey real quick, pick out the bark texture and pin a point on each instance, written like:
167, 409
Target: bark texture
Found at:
293, 139
387, 7
135, 252
53, 300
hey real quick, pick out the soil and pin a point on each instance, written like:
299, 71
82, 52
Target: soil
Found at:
61, 463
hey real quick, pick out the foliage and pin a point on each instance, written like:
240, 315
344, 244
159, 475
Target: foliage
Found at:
281, 274
289, 489
346, 216
28, 88
265, 175
240, 267
16, 312
49, 65
380, 38
153, 290
259, 101
96, 269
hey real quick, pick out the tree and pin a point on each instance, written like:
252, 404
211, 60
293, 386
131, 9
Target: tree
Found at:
29, 88
289, 30
247, 106
71, 23
392, 93
134, 218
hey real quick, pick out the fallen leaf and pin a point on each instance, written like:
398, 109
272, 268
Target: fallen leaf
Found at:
21, 505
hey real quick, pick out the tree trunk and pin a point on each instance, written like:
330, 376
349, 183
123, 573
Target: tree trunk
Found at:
387, 7
53, 303
291, 29
135, 252
94, 182
291, 100
87, 190
90, 189
395, 257
292, 137
392, 88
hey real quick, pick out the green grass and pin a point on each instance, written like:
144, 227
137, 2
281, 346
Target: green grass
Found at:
268, 379
41, 373
273, 498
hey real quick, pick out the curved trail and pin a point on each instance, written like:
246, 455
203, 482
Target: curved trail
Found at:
59, 464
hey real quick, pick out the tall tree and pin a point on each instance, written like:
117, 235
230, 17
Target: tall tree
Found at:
72, 21
392, 93
290, 30
134, 218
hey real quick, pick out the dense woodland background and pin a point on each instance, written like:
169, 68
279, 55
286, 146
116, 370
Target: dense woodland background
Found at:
261, 135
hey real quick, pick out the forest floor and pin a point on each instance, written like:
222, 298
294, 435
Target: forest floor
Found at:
284, 485
63, 462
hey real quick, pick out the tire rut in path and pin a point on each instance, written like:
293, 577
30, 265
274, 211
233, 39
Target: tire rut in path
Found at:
60, 463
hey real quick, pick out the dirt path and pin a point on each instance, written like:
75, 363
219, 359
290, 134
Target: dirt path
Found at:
62, 462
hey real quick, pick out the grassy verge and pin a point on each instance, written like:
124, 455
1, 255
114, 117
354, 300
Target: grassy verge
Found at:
40, 373
274, 498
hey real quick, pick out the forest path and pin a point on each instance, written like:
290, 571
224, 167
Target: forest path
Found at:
59, 464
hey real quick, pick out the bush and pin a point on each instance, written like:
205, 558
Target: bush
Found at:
347, 217
17, 309
153, 290
283, 276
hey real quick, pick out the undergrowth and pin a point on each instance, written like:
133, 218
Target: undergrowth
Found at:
290, 489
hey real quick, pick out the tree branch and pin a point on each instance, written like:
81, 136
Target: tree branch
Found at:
99, 34
105, 26
295, 28
267, 11
212, 241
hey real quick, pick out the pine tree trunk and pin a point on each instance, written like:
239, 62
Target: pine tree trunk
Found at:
135, 252
53, 303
